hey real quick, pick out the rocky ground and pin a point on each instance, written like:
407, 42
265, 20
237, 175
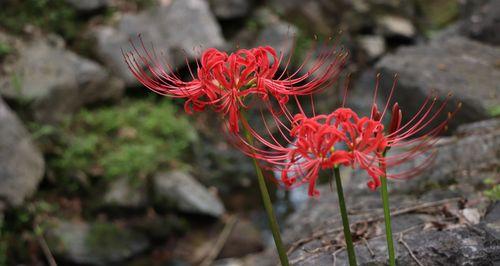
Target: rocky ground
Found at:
94, 172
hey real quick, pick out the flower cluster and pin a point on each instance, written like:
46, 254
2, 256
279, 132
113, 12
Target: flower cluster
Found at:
307, 145
225, 81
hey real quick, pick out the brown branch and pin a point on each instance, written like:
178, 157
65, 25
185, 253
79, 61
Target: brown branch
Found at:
368, 247
46, 250
221, 240
402, 241
335, 256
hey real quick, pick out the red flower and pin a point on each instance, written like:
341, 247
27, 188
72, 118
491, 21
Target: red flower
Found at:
225, 81
364, 139
311, 150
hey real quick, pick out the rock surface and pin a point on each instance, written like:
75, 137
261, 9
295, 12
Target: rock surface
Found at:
185, 193
484, 23
178, 28
53, 80
97, 243
278, 35
466, 68
21, 163
475, 245
322, 16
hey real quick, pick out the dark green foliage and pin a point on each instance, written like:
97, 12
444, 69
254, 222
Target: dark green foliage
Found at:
141, 4
49, 15
29, 221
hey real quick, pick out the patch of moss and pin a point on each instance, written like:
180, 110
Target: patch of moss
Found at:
495, 110
141, 4
437, 14
5, 49
106, 236
133, 139
493, 190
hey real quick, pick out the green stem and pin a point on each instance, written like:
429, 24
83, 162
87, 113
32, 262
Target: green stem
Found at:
387, 218
345, 219
269, 207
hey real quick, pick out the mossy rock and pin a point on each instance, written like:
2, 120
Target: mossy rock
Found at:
98, 243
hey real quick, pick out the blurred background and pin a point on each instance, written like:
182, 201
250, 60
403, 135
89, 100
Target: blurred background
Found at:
97, 170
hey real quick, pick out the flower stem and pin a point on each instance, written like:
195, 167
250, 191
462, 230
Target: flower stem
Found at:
269, 207
387, 218
345, 219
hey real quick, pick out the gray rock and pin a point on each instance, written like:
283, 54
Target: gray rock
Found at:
21, 163
186, 194
88, 5
318, 16
177, 28
467, 7
123, 194
481, 127
53, 80
466, 68
396, 26
230, 9
484, 23
372, 45
360, 96
278, 35
270, 30
99, 243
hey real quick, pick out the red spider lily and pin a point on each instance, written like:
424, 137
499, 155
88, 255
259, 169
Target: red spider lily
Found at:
306, 145
225, 81
416, 136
